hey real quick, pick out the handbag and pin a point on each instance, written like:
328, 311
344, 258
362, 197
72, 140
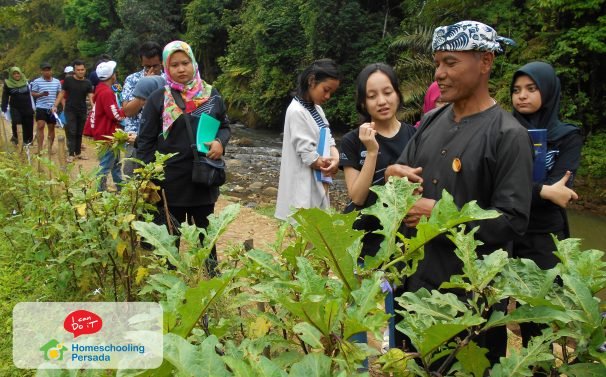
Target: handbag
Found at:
208, 172
205, 171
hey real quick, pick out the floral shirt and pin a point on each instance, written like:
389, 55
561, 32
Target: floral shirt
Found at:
131, 124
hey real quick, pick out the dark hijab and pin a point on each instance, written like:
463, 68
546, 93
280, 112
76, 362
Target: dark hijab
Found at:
547, 116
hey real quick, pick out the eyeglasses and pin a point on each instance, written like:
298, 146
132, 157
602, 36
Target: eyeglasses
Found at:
154, 67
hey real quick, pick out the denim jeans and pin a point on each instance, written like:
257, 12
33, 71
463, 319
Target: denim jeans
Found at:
109, 162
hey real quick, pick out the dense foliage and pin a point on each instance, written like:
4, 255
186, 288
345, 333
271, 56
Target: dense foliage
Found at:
256, 47
291, 308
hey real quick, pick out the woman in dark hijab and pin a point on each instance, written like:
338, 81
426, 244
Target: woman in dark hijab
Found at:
16, 93
535, 94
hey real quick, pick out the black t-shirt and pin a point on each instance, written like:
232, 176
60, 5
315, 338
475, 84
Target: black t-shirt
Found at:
353, 153
77, 91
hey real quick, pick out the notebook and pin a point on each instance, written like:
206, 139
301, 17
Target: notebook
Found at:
207, 131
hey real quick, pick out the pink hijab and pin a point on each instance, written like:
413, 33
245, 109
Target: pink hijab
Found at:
431, 97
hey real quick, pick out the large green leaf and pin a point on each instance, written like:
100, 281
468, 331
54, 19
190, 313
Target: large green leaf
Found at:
197, 301
267, 368
519, 363
527, 313
190, 360
424, 310
583, 370
580, 292
473, 359
524, 280
444, 216
239, 367
395, 199
323, 313
309, 334
164, 243
311, 282
217, 224
365, 314
267, 262
312, 365
589, 265
331, 236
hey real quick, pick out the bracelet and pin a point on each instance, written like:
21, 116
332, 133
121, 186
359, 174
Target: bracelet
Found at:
219, 140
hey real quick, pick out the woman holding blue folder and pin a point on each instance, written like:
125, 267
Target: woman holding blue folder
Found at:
535, 94
309, 154
164, 129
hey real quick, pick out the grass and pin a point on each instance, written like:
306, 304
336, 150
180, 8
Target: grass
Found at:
266, 210
20, 281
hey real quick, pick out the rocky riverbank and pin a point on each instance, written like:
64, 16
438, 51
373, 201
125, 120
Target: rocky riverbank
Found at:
253, 168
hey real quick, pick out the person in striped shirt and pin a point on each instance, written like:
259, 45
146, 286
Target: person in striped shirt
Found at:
45, 90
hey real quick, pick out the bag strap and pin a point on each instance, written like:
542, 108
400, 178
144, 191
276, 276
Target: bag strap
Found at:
179, 101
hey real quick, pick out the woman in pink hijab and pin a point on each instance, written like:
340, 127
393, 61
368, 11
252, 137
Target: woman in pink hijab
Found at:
431, 100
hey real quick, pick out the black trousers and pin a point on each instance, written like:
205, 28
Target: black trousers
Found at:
73, 130
26, 120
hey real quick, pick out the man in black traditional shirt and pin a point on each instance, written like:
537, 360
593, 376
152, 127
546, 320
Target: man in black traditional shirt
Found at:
471, 148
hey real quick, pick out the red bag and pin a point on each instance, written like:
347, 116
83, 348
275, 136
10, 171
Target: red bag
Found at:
88, 130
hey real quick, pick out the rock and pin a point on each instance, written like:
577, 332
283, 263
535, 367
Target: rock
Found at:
270, 191
255, 186
233, 163
251, 205
243, 142
237, 188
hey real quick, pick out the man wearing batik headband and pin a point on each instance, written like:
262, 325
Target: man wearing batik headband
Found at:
471, 148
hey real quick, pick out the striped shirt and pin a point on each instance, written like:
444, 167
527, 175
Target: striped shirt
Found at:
53, 87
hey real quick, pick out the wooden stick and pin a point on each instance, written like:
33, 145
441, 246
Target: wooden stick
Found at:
4, 133
61, 152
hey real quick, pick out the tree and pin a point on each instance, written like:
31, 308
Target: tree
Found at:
141, 21
207, 29
94, 21
36, 32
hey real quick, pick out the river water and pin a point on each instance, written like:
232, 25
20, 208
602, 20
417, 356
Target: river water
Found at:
253, 158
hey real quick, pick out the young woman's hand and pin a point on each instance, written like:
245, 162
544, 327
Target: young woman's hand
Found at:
367, 135
558, 193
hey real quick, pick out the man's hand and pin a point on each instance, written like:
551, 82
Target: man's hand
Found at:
399, 170
215, 150
422, 207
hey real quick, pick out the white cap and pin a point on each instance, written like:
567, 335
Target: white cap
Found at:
105, 70
68, 69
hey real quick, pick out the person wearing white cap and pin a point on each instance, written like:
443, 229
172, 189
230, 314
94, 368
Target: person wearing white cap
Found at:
473, 149
105, 119
68, 69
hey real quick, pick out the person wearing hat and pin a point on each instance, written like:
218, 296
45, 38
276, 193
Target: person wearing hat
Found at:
45, 90
105, 119
473, 149
76, 89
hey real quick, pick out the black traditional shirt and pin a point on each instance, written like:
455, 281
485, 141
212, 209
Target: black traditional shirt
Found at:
485, 157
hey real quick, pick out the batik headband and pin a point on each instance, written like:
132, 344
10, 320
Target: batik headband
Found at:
468, 36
